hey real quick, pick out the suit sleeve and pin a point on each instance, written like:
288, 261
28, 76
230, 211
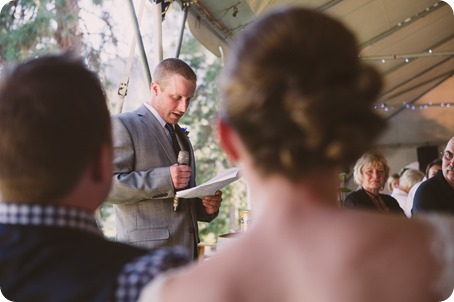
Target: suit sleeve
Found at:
128, 185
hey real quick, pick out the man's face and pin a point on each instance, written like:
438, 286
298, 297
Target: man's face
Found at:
172, 99
448, 162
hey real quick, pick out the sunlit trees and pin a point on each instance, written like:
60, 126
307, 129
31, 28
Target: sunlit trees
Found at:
29, 28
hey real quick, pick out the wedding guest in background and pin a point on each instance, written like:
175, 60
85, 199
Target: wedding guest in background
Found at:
297, 106
55, 170
370, 173
433, 167
407, 180
392, 182
437, 193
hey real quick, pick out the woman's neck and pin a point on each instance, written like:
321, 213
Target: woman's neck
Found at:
278, 194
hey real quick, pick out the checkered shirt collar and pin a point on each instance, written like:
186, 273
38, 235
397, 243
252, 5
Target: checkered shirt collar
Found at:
48, 215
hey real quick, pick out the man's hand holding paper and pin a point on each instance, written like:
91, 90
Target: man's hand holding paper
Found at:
210, 187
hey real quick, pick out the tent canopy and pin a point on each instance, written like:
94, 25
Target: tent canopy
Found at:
410, 41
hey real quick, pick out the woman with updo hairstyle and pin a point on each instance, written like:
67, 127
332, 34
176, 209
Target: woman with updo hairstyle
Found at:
370, 173
296, 106
309, 104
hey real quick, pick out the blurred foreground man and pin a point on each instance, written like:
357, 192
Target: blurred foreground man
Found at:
55, 170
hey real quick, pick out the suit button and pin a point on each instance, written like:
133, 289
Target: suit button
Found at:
191, 230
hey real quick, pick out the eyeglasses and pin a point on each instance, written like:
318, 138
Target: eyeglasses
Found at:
447, 155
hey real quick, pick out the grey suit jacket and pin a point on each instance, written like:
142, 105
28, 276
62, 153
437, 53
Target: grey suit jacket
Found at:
142, 190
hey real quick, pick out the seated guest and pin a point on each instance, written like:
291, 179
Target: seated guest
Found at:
297, 107
432, 168
370, 173
408, 179
437, 193
392, 182
55, 170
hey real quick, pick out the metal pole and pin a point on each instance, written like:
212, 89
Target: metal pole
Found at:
180, 39
124, 82
156, 15
138, 35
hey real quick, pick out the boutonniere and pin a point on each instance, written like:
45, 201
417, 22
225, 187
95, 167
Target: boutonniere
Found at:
185, 130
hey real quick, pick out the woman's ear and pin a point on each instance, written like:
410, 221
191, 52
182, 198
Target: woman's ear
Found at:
228, 138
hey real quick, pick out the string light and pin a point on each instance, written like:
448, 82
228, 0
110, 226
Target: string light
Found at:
406, 106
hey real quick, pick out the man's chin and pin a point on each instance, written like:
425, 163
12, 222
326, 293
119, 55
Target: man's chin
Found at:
449, 176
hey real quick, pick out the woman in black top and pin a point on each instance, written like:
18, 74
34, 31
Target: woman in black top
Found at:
371, 172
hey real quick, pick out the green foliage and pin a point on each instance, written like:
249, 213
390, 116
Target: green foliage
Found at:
24, 31
29, 28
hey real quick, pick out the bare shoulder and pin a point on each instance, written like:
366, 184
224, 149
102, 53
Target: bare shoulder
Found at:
391, 256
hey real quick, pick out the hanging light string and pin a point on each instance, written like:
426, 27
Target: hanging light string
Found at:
414, 107
408, 57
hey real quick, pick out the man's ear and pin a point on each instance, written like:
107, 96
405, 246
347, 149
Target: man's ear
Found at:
228, 139
154, 88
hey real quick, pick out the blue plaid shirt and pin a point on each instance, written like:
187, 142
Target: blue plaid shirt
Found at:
134, 275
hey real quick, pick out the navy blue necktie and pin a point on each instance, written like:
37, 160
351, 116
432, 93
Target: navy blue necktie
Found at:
173, 136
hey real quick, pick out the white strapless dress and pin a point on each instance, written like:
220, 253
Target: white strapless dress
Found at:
442, 247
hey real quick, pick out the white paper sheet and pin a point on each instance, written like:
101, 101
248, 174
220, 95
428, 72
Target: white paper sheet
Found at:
211, 186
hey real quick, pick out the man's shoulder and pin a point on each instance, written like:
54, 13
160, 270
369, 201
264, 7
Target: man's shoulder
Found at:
130, 114
130, 119
432, 183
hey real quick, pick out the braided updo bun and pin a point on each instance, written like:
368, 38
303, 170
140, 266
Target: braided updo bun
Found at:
297, 94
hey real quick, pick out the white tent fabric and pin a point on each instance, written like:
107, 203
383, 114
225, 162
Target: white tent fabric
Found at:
410, 41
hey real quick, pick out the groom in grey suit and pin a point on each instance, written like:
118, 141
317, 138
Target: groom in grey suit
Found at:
146, 172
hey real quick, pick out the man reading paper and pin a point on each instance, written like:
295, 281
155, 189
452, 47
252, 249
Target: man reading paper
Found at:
146, 172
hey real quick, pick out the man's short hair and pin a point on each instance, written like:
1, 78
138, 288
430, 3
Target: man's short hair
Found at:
171, 66
53, 121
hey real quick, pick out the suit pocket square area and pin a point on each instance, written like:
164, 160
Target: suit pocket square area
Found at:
151, 234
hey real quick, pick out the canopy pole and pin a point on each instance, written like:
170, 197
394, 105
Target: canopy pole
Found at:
139, 40
180, 39
156, 15
124, 82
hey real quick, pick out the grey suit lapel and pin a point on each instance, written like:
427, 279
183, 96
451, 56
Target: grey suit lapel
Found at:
154, 126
